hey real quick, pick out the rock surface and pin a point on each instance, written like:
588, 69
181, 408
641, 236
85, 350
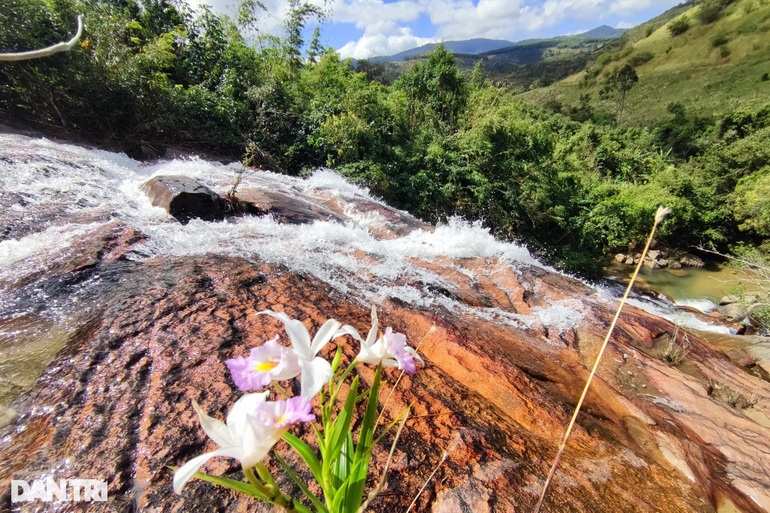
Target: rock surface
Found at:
184, 198
116, 402
508, 348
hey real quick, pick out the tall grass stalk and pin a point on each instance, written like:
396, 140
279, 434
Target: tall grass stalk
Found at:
659, 215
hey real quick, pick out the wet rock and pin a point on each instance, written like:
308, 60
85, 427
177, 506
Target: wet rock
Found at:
732, 312
184, 198
288, 209
690, 260
116, 403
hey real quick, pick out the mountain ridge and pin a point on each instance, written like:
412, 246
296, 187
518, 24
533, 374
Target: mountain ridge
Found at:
478, 46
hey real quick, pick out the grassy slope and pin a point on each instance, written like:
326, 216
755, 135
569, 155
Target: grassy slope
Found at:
687, 68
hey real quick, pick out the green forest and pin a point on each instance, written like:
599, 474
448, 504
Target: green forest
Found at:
575, 170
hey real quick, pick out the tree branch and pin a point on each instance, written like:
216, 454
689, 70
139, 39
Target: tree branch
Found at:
45, 52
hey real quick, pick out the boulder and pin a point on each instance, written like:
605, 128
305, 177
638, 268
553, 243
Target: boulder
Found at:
652, 264
286, 208
732, 312
690, 260
184, 198
620, 258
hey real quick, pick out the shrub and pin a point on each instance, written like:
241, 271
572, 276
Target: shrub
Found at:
679, 26
765, 77
640, 58
719, 40
712, 10
650, 29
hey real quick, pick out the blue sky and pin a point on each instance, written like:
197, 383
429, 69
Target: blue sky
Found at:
368, 28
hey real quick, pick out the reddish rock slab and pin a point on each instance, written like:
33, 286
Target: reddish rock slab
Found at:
494, 398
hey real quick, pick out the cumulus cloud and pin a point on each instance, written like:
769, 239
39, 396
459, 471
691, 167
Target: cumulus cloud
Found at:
373, 44
386, 27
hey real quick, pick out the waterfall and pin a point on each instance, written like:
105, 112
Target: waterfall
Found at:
54, 196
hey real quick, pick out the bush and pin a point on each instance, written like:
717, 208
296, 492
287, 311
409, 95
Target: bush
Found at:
679, 26
640, 58
719, 40
765, 77
712, 10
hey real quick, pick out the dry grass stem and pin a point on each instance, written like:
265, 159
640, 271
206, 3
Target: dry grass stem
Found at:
659, 215
414, 501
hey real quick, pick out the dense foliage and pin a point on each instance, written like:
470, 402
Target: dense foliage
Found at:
437, 142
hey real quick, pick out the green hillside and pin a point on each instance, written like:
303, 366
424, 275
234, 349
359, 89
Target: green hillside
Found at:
717, 63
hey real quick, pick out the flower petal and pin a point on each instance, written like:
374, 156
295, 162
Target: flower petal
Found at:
214, 428
238, 420
374, 331
348, 330
324, 335
298, 334
315, 374
186, 471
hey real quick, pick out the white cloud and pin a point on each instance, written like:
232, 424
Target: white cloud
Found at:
381, 44
386, 28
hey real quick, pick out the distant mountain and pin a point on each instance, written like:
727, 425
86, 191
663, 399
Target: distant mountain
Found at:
603, 31
489, 46
469, 46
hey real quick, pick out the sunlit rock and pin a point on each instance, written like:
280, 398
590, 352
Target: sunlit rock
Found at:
151, 309
184, 198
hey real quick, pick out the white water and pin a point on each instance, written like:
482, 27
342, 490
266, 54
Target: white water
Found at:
90, 187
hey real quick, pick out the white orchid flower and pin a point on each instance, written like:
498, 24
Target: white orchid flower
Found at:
253, 427
316, 371
390, 350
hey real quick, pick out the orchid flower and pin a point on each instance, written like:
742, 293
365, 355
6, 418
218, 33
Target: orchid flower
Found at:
316, 371
391, 349
253, 427
269, 362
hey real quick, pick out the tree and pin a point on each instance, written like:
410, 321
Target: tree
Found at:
478, 75
620, 82
299, 12
314, 50
437, 84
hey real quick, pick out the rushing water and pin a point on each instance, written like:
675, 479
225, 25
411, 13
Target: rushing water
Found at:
54, 195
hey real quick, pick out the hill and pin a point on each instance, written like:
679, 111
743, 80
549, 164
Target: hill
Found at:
470, 46
518, 65
712, 58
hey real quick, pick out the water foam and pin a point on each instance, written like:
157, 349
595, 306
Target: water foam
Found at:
82, 181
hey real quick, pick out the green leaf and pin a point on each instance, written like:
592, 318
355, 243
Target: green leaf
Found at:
232, 484
337, 433
306, 452
320, 506
360, 467
341, 424
337, 359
